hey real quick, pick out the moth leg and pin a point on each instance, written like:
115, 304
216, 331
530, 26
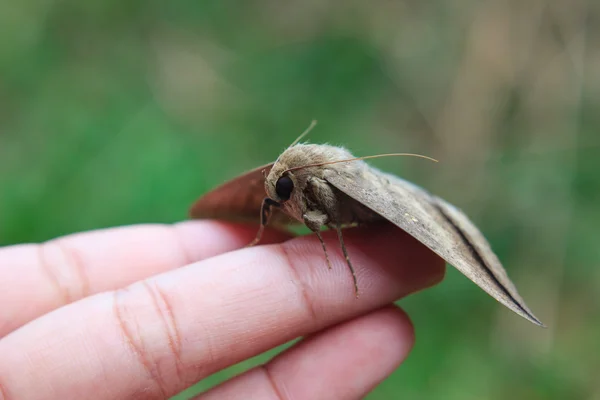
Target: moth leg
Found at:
313, 221
343, 245
324, 248
265, 215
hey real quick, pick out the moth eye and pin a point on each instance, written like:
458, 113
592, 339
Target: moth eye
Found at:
284, 187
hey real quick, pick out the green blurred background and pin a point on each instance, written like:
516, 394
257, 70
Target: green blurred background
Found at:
117, 112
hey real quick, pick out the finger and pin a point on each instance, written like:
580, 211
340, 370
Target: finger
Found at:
39, 278
344, 362
167, 332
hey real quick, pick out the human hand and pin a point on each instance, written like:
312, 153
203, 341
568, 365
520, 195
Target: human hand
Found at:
146, 311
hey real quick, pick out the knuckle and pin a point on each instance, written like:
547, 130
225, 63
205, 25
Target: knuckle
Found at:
64, 269
148, 327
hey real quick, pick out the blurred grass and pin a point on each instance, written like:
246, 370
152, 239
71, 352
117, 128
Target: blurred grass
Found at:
117, 113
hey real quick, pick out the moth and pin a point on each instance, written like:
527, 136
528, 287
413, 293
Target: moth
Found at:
325, 186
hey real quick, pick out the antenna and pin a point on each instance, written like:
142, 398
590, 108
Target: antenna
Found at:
362, 158
306, 131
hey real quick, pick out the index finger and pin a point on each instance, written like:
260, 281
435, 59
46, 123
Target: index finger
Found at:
38, 278
160, 335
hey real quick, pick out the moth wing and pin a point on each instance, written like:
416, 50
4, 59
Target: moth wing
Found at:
434, 222
239, 200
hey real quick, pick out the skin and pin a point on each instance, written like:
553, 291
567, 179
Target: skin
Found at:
146, 311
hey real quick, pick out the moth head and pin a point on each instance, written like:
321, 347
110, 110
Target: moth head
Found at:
292, 171
282, 185
285, 189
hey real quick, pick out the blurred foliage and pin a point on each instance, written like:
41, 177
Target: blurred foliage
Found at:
118, 112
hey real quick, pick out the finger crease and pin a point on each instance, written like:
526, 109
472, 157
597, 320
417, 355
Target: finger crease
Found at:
76, 264
187, 257
3, 394
308, 303
49, 270
167, 319
272, 382
72, 267
139, 351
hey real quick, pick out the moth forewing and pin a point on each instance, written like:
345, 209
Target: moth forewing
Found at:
239, 200
321, 185
435, 223
495, 280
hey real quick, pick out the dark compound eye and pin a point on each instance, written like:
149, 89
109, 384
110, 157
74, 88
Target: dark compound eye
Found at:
284, 187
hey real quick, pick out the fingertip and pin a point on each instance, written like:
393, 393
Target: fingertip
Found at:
344, 361
347, 360
400, 334
378, 252
409, 259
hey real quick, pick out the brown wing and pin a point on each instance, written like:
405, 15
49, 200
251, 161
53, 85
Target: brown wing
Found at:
437, 224
238, 200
